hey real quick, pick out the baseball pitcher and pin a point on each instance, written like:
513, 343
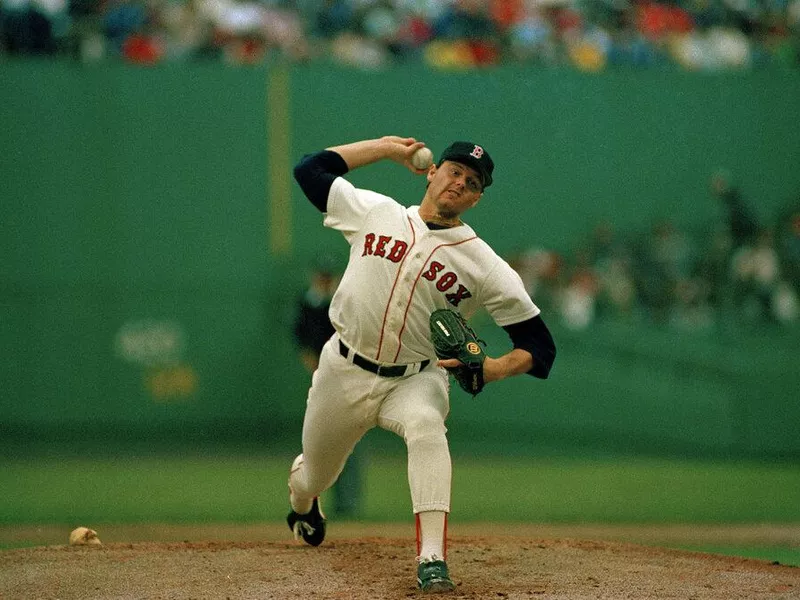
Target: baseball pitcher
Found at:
414, 274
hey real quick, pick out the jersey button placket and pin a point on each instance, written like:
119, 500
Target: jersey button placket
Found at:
397, 308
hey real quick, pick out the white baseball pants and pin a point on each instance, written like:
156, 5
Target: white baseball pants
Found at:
345, 401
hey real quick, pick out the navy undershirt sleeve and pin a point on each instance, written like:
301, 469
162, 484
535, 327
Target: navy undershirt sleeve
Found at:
533, 336
315, 174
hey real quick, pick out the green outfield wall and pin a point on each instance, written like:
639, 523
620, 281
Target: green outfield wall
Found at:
152, 243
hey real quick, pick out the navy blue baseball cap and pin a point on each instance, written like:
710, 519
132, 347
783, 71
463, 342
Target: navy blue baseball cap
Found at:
472, 155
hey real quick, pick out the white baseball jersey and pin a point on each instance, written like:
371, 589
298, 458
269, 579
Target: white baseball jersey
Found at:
400, 271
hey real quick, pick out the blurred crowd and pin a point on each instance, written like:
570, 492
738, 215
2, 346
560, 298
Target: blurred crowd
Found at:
453, 34
735, 273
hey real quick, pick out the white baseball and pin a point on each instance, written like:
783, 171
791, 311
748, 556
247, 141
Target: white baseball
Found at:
422, 158
83, 536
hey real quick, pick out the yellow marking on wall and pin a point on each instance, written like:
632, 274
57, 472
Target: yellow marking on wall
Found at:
279, 188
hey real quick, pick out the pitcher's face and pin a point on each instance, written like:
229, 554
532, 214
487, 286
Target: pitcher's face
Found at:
453, 188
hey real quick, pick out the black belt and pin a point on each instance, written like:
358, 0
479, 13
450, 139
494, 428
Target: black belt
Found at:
382, 370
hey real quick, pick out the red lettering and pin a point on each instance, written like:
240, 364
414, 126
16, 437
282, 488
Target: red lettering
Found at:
446, 281
398, 251
435, 267
369, 239
380, 248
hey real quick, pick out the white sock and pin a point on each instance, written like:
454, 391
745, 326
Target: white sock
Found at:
431, 531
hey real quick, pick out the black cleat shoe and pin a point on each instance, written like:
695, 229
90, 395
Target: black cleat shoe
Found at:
433, 578
310, 526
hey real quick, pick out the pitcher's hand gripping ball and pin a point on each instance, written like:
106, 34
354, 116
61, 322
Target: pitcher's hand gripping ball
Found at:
453, 338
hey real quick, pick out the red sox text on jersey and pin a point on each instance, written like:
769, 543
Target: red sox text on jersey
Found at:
378, 245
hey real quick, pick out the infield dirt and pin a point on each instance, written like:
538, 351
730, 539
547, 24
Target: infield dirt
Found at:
506, 567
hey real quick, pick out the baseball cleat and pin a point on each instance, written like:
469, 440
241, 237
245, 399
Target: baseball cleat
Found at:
433, 578
310, 526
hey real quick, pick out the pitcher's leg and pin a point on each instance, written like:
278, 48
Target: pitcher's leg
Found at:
319, 466
429, 466
416, 410
335, 420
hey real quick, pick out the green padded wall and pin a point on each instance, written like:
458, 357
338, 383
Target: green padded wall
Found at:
142, 296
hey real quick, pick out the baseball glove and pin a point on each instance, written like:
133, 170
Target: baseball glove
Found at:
453, 338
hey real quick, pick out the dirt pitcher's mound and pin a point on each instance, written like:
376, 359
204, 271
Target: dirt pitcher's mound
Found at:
505, 568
